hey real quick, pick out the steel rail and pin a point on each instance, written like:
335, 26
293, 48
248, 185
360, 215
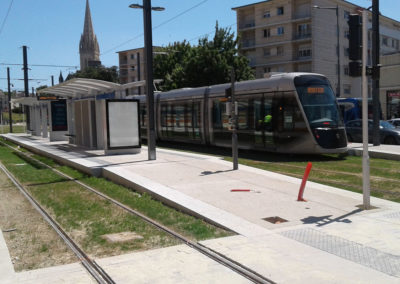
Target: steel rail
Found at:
93, 268
218, 257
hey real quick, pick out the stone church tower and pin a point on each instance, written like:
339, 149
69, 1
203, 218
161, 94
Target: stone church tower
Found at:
88, 46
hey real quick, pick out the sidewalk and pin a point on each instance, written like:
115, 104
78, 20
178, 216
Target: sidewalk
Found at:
327, 239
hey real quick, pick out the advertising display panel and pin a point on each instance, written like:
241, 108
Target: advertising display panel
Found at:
123, 124
59, 115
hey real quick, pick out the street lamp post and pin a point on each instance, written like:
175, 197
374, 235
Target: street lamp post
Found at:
148, 46
338, 43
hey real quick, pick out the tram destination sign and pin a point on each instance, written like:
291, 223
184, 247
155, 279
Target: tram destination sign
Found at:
315, 90
47, 98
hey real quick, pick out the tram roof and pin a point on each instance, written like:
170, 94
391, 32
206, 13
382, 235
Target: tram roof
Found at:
275, 82
82, 88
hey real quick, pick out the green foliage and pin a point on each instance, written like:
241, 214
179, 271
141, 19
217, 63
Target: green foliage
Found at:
209, 63
41, 87
109, 74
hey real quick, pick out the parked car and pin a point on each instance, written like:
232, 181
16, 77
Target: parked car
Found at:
389, 134
395, 122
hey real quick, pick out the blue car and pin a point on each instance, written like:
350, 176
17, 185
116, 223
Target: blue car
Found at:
389, 134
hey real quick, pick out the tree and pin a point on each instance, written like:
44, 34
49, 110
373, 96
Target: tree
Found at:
109, 74
41, 87
209, 63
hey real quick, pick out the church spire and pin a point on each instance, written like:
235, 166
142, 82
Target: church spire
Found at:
89, 47
88, 27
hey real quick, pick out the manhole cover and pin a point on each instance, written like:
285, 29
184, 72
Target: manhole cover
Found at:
275, 220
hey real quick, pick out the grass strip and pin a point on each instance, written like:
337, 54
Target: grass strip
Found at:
88, 217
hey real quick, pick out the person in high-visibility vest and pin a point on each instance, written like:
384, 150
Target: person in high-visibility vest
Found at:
267, 122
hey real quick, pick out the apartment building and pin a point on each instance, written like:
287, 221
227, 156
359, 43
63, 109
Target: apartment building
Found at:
390, 85
132, 68
296, 36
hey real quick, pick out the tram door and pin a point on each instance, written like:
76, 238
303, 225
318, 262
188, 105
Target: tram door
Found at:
290, 124
264, 120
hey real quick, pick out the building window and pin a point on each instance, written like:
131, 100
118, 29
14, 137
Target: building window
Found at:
132, 56
266, 14
267, 51
346, 51
346, 15
280, 31
303, 30
267, 32
385, 41
346, 70
279, 50
304, 52
346, 34
347, 89
279, 11
267, 69
133, 68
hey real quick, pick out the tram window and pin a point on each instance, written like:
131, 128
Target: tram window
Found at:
319, 101
257, 115
220, 118
163, 115
243, 114
188, 115
196, 120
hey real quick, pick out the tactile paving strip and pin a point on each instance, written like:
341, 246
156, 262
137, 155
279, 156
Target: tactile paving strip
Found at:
395, 215
367, 256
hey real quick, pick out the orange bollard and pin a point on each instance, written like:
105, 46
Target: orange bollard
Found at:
303, 183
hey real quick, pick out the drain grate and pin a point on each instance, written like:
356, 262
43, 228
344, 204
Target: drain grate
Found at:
275, 220
367, 256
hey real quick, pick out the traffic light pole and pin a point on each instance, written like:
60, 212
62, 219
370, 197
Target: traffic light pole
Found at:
365, 160
375, 76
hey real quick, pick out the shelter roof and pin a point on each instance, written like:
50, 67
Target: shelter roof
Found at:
80, 87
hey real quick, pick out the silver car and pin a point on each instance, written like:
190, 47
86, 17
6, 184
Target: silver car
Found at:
388, 133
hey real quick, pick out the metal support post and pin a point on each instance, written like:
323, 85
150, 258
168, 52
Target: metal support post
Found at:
365, 159
9, 100
339, 90
375, 78
26, 86
148, 45
234, 122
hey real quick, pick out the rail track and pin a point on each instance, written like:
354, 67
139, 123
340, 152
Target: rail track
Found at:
90, 265
101, 275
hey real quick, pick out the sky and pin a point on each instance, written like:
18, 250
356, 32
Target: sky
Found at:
52, 29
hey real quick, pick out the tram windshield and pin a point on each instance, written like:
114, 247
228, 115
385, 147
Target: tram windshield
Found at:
319, 101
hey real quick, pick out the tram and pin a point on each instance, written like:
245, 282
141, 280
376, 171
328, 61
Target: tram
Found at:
285, 113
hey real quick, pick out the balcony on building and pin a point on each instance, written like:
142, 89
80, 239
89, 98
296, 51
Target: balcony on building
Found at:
123, 60
248, 43
302, 35
247, 25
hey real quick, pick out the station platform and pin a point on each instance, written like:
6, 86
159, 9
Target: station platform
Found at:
328, 239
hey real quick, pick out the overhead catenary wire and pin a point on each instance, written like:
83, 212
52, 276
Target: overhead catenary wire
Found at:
6, 17
40, 65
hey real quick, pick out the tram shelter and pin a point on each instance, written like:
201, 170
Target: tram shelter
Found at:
38, 116
98, 114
